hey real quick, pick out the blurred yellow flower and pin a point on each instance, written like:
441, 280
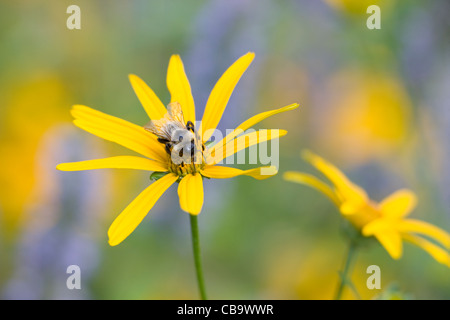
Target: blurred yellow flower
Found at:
386, 221
157, 158
31, 107
293, 272
369, 117
358, 7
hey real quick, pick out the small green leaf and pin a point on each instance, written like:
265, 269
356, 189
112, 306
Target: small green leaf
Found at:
157, 175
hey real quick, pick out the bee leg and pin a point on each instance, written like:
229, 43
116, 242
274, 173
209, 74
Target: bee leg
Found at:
169, 147
190, 126
192, 148
162, 140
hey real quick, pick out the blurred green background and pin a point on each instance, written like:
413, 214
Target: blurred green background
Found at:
373, 102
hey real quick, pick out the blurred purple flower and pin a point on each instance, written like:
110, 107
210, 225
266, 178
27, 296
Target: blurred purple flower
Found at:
62, 225
426, 67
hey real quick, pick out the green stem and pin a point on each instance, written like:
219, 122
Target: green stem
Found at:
197, 259
346, 268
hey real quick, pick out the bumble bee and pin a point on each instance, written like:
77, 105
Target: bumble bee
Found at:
180, 139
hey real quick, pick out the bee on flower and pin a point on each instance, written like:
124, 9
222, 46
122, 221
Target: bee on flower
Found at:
174, 148
182, 142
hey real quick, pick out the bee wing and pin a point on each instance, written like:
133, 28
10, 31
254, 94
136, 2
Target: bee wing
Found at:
160, 127
163, 127
176, 113
156, 127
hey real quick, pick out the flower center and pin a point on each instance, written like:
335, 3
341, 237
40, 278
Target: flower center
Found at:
184, 164
365, 215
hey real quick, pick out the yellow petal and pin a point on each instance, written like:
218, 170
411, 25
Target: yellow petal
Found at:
135, 212
119, 131
120, 162
220, 152
392, 242
398, 204
352, 196
219, 172
254, 120
439, 254
312, 181
425, 228
190, 192
350, 207
221, 93
179, 88
379, 226
149, 100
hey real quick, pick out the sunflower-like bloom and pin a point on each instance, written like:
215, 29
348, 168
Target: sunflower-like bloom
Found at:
386, 221
158, 159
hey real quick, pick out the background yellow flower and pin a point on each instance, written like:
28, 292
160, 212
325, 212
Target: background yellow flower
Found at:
370, 117
387, 221
31, 107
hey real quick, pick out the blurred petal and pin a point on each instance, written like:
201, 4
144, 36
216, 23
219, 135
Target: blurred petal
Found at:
352, 196
119, 131
221, 93
135, 212
217, 154
399, 204
392, 242
312, 181
254, 120
120, 162
425, 228
149, 100
439, 254
190, 192
219, 172
378, 226
179, 87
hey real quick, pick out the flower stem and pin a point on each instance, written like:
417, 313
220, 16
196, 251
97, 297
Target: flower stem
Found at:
197, 259
346, 268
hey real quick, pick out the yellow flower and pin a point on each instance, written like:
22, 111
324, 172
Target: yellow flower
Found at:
386, 221
29, 109
358, 7
190, 176
369, 117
